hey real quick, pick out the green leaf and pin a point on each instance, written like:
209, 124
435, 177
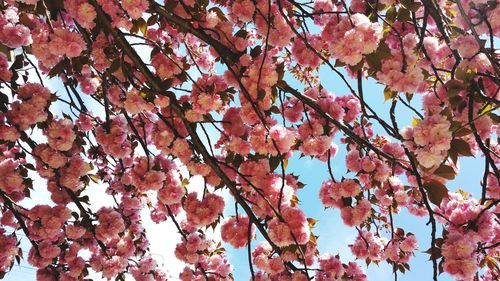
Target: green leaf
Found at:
261, 94
495, 118
338, 63
462, 147
256, 51
389, 94
461, 132
237, 160
411, 5
409, 96
453, 87
135, 27
446, 172
391, 14
454, 156
241, 33
285, 164
58, 68
436, 191
486, 109
355, 68
414, 6
274, 109
312, 222
274, 161
465, 74
219, 13
6, 51
152, 20
143, 26
415, 121
280, 69
404, 14
94, 178
374, 61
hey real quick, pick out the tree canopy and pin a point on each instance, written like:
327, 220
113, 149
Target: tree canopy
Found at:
156, 94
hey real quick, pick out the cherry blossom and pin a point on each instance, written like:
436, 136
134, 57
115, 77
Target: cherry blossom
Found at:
243, 125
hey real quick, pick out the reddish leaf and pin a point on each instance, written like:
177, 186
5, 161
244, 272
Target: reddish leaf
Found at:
462, 147
446, 172
436, 191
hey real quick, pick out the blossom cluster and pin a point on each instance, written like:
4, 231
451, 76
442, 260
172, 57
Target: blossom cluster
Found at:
470, 226
183, 109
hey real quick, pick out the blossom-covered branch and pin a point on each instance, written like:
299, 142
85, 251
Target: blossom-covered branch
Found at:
153, 96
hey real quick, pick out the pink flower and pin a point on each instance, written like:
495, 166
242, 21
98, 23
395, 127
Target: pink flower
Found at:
349, 188
321, 6
466, 46
460, 258
358, 274
409, 244
135, 103
135, 8
243, 10
34, 98
112, 266
66, 43
88, 84
74, 232
165, 66
54, 158
10, 177
114, 142
331, 266
367, 164
280, 33
295, 228
399, 81
315, 146
48, 250
15, 35
83, 12
46, 223
172, 191
70, 175
142, 177
233, 124
8, 244
5, 73
101, 62
368, 245
354, 216
60, 134
303, 54
331, 193
263, 260
85, 122
203, 212
352, 160
110, 224
235, 231
432, 137
282, 137
189, 249
326, 194
349, 44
